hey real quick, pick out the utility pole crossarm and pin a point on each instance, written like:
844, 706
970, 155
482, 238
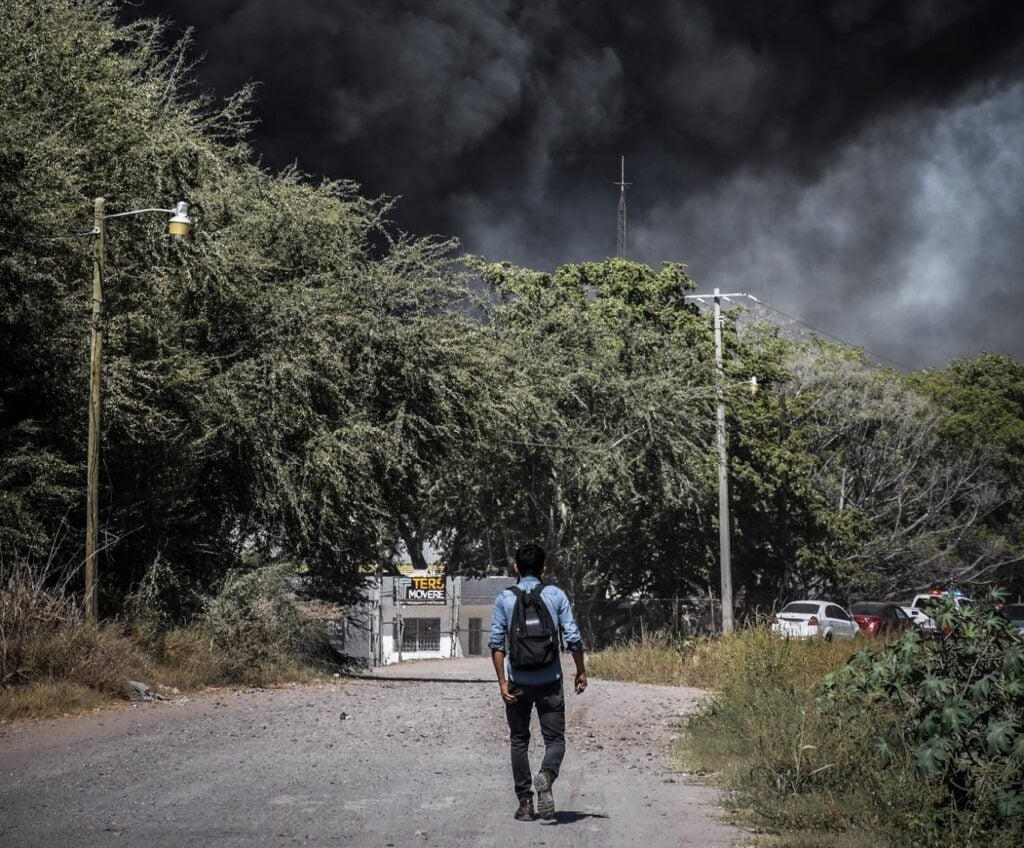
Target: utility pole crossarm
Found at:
701, 298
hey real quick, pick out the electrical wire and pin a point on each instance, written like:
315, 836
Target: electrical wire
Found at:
842, 341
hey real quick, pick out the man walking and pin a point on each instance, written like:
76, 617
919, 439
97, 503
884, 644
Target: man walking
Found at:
533, 677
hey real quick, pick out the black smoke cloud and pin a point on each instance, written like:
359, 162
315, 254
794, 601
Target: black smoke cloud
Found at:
855, 162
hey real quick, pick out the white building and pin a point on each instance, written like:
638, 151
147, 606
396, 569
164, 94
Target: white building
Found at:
420, 616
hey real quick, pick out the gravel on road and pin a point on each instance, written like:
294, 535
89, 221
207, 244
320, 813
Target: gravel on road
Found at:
414, 755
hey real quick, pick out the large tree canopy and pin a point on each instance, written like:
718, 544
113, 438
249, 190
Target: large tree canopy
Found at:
301, 382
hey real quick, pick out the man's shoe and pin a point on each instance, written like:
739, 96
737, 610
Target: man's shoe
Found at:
525, 811
545, 800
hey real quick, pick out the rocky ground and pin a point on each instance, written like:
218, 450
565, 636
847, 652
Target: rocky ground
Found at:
415, 756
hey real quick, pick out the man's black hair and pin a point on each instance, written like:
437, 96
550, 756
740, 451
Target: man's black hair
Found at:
530, 559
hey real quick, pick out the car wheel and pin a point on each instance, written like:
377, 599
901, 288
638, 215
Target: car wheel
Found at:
828, 635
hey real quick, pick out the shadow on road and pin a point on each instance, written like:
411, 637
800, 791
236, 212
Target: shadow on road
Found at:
570, 816
383, 679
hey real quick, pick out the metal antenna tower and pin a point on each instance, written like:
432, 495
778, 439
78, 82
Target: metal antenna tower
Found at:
620, 246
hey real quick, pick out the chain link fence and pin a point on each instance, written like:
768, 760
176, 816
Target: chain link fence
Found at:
605, 623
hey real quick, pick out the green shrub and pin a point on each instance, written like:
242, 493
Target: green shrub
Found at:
956, 709
796, 768
255, 631
915, 743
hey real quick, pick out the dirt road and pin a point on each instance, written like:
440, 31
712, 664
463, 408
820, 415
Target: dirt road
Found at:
420, 759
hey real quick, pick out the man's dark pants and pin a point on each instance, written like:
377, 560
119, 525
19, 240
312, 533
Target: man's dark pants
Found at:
550, 703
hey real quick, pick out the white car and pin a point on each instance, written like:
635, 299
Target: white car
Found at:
922, 606
1014, 613
809, 619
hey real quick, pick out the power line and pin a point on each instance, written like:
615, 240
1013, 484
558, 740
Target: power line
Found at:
834, 337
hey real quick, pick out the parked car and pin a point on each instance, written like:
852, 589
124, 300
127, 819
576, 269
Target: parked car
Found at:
880, 618
809, 619
1014, 613
920, 609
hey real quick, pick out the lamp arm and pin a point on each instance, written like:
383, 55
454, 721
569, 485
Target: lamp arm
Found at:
137, 212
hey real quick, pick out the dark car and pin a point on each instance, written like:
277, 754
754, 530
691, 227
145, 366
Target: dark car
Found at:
1014, 613
880, 618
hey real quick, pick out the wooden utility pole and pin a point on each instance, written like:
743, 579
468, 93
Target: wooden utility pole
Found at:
724, 536
92, 506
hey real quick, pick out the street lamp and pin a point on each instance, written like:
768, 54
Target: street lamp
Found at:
178, 226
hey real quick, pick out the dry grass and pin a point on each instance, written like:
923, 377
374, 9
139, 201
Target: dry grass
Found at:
52, 663
707, 661
48, 699
805, 773
788, 769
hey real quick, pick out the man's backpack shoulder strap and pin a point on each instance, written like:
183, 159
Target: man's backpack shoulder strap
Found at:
536, 591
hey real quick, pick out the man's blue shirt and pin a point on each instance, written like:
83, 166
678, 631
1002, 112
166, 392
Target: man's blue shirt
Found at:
561, 613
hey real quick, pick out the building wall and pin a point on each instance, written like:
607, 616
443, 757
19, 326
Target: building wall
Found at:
419, 617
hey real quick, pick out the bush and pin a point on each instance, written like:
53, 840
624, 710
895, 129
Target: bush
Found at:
258, 630
910, 743
255, 632
956, 710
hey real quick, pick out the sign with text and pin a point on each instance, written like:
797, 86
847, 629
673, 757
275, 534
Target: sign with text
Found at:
426, 590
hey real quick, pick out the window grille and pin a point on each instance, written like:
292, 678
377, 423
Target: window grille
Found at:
421, 634
475, 647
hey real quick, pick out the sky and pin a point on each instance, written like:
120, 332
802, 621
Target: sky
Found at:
856, 164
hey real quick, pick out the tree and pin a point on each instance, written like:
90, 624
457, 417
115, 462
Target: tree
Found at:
603, 453
286, 385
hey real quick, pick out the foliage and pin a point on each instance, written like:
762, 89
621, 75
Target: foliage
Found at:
957, 710
290, 382
254, 631
788, 765
911, 742
301, 383
257, 628
983, 402
847, 482
603, 454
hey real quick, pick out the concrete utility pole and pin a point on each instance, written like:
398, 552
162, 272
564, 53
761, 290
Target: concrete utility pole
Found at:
724, 536
724, 530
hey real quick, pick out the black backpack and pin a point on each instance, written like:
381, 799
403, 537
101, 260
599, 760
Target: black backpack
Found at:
532, 636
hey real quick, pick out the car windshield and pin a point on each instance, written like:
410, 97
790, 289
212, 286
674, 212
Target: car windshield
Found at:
799, 607
867, 609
